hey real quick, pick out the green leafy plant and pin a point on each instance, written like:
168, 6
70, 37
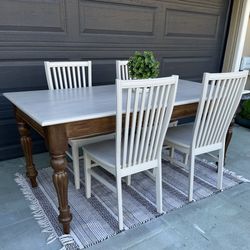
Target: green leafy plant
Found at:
143, 65
245, 110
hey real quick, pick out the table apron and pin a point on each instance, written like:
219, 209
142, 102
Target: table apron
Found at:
21, 115
98, 126
107, 125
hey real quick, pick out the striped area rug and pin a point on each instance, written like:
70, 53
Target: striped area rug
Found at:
95, 219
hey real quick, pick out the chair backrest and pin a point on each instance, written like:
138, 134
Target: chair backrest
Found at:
67, 75
146, 106
219, 101
122, 70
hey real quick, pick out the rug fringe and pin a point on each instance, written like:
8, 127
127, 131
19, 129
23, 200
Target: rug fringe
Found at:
66, 239
40, 216
36, 208
240, 177
225, 170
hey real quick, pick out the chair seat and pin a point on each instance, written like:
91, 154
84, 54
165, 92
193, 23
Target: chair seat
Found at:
181, 135
103, 152
79, 142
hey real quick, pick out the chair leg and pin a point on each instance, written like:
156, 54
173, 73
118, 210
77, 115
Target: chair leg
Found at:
75, 159
191, 178
119, 199
158, 180
186, 159
128, 180
171, 154
220, 168
87, 169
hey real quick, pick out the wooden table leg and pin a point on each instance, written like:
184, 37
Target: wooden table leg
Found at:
57, 142
229, 137
26, 143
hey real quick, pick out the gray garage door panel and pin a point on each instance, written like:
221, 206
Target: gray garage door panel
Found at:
187, 37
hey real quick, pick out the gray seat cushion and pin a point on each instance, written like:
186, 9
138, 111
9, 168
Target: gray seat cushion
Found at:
103, 151
181, 135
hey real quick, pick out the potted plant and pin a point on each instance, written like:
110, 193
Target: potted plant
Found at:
143, 65
243, 118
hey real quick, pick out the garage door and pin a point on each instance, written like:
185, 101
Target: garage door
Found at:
187, 37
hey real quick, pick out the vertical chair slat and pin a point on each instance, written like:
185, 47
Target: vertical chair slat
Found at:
55, 77
79, 85
123, 73
126, 72
132, 134
83, 77
161, 120
49, 73
74, 77
69, 76
145, 124
156, 122
59, 71
139, 125
119, 101
64, 78
89, 73
127, 123
151, 120
198, 119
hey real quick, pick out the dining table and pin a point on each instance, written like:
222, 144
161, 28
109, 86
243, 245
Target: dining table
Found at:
58, 115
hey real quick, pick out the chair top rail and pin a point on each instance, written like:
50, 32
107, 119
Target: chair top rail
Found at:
125, 84
226, 75
68, 63
122, 62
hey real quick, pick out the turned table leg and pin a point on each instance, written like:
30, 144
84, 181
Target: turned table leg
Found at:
57, 143
26, 143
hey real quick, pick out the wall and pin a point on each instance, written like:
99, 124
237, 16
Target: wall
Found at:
246, 51
187, 37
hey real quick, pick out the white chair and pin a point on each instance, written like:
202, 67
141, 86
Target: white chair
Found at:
67, 75
122, 72
219, 100
148, 106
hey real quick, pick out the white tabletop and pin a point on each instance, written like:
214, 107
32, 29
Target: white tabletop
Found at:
51, 107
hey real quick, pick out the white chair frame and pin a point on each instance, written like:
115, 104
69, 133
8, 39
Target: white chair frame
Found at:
148, 108
218, 103
122, 72
64, 75
68, 75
